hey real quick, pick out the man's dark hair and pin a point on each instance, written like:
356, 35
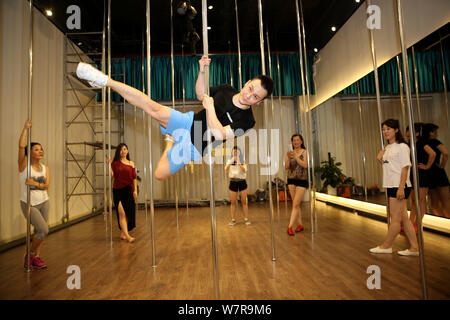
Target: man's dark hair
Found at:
266, 83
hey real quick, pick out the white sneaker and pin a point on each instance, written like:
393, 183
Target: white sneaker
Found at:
408, 253
94, 77
247, 223
380, 250
232, 223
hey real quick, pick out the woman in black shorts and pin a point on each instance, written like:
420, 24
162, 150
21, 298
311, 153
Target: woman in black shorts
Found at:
237, 172
395, 159
440, 187
425, 159
296, 163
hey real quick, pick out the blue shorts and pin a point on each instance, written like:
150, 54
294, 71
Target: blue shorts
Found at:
183, 151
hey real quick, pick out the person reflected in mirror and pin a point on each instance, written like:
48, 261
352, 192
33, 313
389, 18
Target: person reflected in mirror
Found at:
425, 159
439, 192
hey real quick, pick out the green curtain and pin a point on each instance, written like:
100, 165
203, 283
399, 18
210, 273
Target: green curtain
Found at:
161, 81
429, 75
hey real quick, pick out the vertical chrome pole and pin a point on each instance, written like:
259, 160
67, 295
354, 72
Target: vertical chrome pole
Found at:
361, 128
416, 84
273, 115
30, 105
281, 121
402, 102
229, 63
238, 44
380, 116
173, 95
266, 120
105, 197
144, 116
444, 82
310, 131
211, 175
109, 119
184, 110
149, 92
413, 147
306, 130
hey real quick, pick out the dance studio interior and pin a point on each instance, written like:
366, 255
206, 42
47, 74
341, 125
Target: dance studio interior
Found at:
316, 191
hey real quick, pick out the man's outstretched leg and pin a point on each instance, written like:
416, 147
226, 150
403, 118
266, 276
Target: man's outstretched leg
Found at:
135, 97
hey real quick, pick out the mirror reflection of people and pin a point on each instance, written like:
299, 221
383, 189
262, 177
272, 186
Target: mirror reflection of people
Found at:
237, 172
39, 182
395, 159
297, 165
439, 192
124, 191
425, 159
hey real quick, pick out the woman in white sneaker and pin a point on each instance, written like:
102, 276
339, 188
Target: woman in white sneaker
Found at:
238, 185
395, 159
39, 182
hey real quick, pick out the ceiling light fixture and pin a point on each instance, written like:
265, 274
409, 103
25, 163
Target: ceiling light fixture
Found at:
333, 28
210, 7
315, 50
357, 1
209, 28
49, 13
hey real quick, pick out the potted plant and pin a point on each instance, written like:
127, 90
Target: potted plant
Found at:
345, 187
330, 174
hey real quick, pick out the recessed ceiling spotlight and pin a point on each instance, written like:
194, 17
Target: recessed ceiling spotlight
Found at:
357, 1
49, 13
315, 50
209, 28
80, 43
333, 28
210, 7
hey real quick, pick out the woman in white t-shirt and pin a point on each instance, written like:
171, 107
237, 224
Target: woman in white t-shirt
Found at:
237, 173
39, 182
396, 162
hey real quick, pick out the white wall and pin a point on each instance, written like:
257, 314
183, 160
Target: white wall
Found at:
47, 111
347, 56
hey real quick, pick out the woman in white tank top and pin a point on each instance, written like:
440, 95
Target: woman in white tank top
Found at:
39, 182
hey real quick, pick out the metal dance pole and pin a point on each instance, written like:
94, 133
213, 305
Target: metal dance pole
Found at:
29, 110
144, 117
307, 131
109, 119
173, 94
416, 84
238, 44
413, 147
310, 131
361, 128
281, 120
273, 115
402, 101
184, 110
211, 176
105, 197
380, 116
150, 168
266, 120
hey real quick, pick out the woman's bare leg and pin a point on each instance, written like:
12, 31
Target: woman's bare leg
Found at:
123, 223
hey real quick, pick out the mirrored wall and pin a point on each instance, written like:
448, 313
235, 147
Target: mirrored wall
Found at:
347, 131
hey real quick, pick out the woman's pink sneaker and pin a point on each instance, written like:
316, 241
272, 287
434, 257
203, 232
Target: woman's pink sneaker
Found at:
38, 263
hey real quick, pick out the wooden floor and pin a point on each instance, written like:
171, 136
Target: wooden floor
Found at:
330, 263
